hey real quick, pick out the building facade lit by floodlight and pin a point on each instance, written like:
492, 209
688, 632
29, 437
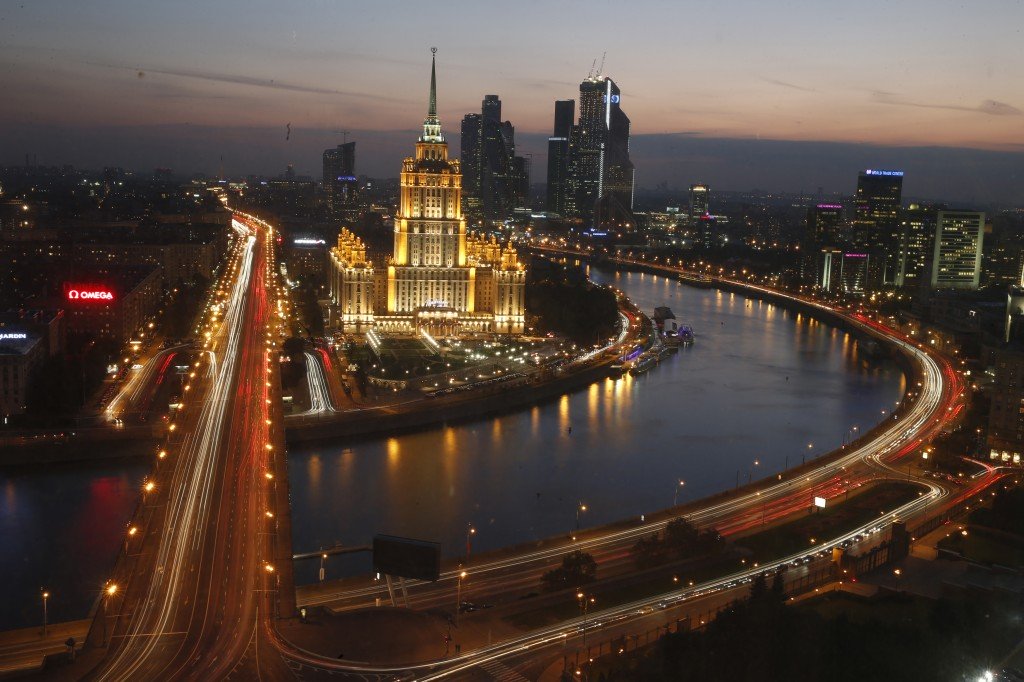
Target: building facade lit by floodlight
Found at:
439, 279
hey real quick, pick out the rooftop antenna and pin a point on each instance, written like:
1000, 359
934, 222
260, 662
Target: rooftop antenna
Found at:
600, 69
590, 74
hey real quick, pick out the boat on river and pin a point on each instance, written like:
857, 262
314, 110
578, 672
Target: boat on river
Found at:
644, 363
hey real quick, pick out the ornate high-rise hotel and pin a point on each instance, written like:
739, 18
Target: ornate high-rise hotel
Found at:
439, 278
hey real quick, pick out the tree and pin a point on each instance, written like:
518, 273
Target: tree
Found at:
578, 568
759, 588
649, 551
681, 536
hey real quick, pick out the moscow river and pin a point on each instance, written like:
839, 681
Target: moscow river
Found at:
759, 384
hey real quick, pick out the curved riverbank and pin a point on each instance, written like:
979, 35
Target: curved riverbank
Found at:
427, 413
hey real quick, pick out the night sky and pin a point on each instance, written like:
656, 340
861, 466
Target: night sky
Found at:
741, 94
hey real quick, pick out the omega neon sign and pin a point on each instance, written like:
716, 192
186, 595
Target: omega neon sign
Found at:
89, 294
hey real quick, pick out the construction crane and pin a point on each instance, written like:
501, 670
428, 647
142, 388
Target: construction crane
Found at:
344, 133
600, 69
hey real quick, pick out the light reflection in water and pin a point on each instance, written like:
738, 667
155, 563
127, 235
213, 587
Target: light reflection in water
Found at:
757, 379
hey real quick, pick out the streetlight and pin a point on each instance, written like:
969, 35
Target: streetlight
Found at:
109, 592
458, 597
46, 597
675, 498
585, 605
580, 507
470, 532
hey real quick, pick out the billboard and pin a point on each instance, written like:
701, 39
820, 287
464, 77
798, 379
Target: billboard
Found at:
406, 557
84, 293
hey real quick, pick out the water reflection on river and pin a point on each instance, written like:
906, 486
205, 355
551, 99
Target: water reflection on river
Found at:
61, 528
760, 383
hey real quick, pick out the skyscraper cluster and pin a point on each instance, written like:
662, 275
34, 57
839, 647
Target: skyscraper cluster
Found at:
590, 175
886, 244
494, 179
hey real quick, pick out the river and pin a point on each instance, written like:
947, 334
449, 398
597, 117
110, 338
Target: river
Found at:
760, 384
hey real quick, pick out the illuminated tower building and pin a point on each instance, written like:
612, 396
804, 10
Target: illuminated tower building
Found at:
495, 180
558, 157
340, 182
956, 258
439, 280
917, 233
876, 223
823, 224
700, 203
601, 174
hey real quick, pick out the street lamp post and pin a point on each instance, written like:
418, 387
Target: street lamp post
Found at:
46, 597
585, 604
470, 532
675, 498
458, 597
580, 507
109, 592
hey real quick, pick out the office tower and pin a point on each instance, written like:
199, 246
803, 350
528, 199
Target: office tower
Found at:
956, 255
496, 179
601, 174
558, 157
824, 222
841, 272
917, 232
700, 201
876, 225
439, 280
340, 182
472, 125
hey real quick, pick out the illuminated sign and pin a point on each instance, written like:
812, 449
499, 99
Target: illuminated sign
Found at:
837, 206
346, 178
819, 502
615, 99
83, 294
894, 173
309, 242
855, 255
12, 335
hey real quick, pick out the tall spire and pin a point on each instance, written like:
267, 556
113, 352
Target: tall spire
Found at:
431, 124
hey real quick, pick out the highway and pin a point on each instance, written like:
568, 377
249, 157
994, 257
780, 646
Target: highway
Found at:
190, 610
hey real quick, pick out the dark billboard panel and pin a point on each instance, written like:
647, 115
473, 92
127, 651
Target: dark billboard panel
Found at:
406, 557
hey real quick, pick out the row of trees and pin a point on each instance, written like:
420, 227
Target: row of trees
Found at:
679, 540
763, 639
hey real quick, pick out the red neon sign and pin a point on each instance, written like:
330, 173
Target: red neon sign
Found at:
81, 294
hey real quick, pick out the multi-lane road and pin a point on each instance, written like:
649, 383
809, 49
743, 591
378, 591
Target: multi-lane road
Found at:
190, 607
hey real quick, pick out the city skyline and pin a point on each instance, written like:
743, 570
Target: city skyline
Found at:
156, 87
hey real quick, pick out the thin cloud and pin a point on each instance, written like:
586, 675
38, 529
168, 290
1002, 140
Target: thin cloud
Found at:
236, 79
791, 86
990, 106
